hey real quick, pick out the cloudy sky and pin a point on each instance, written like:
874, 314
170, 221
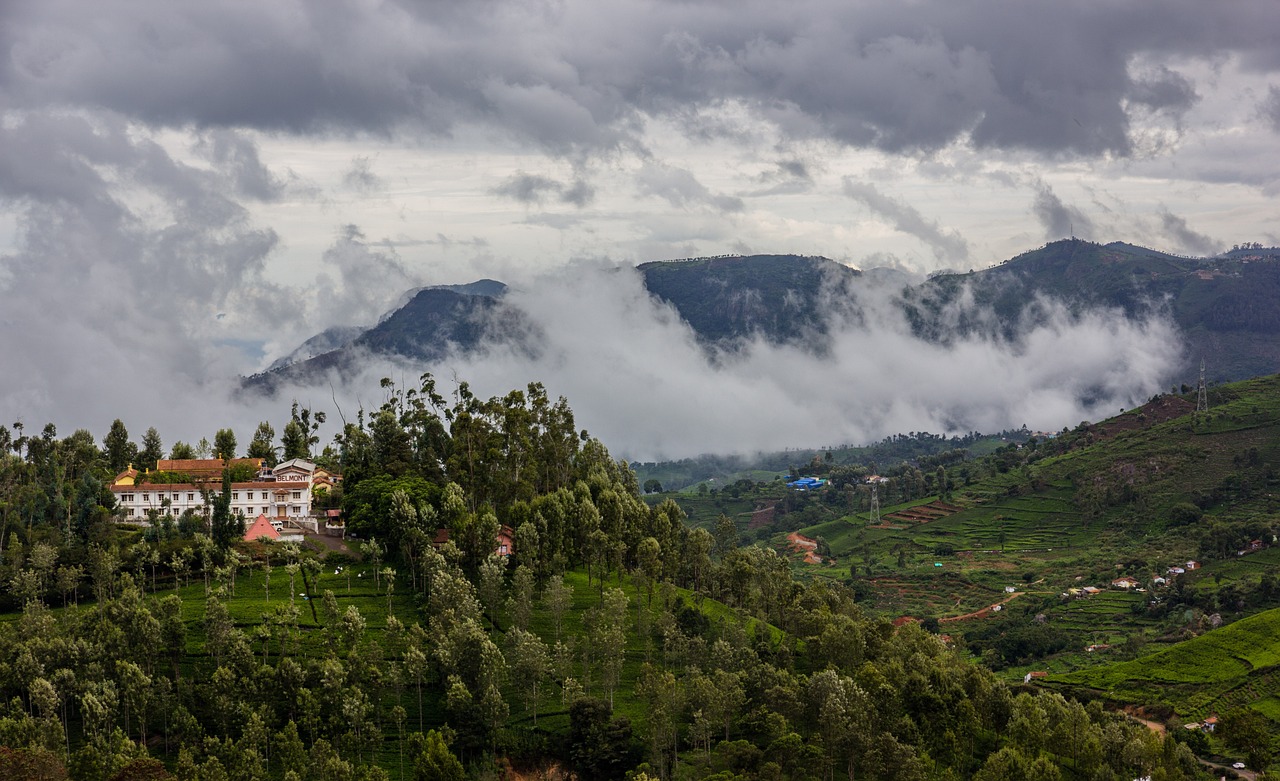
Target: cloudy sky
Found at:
188, 190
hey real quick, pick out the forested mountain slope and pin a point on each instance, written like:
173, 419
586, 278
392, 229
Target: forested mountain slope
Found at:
1225, 307
778, 297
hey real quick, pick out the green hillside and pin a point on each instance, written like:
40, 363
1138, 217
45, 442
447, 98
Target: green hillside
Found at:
1029, 526
1131, 496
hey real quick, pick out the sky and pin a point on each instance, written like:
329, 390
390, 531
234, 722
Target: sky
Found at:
190, 190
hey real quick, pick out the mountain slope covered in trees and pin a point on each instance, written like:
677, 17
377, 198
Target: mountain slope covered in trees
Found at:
1224, 307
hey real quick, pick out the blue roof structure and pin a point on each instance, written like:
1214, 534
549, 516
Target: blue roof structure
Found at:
807, 483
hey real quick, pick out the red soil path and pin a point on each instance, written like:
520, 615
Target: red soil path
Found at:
805, 545
983, 613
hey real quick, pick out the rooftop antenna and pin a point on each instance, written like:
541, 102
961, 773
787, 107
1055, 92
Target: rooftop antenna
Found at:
1202, 392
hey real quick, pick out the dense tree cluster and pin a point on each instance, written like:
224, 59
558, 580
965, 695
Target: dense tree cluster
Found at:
919, 447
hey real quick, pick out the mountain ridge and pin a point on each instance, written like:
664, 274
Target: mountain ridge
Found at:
1223, 306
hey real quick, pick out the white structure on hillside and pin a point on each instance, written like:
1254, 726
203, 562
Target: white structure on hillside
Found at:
282, 493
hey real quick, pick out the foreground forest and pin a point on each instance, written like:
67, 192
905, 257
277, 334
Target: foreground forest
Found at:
616, 641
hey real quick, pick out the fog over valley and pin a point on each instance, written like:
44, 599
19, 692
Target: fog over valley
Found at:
637, 377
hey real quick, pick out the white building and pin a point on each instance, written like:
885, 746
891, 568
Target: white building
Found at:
280, 494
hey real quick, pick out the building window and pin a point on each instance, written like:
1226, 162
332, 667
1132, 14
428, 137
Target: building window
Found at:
264, 496
235, 496
146, 497
297, 494
126, 498
191, 497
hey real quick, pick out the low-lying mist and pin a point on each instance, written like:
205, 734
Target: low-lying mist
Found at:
633, 372
637, 378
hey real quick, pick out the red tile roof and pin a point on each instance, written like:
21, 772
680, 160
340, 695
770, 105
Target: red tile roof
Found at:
261, 528
256, 486
203, 465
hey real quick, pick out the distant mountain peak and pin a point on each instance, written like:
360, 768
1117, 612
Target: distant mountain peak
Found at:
490, 288
1224, 306
727, 298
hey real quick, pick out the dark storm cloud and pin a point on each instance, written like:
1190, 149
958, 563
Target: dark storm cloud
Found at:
790, 176
796, 169
1059, 220
681, 188
237, 157
1270, 108
526, 188
946, 245
1164, 89
66, 175
574, 77
580, 193
535, 188
360, 176
1184, 237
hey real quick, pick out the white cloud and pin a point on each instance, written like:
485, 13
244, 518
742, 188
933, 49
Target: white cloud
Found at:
636, 377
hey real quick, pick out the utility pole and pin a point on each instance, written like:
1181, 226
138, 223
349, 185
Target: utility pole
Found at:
1202, 392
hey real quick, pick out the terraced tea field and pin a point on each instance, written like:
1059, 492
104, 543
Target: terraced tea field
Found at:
924, 513
920, 595
1108, 617
1009, 524
1212, 673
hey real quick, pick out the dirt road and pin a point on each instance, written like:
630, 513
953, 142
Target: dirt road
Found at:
983, 613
